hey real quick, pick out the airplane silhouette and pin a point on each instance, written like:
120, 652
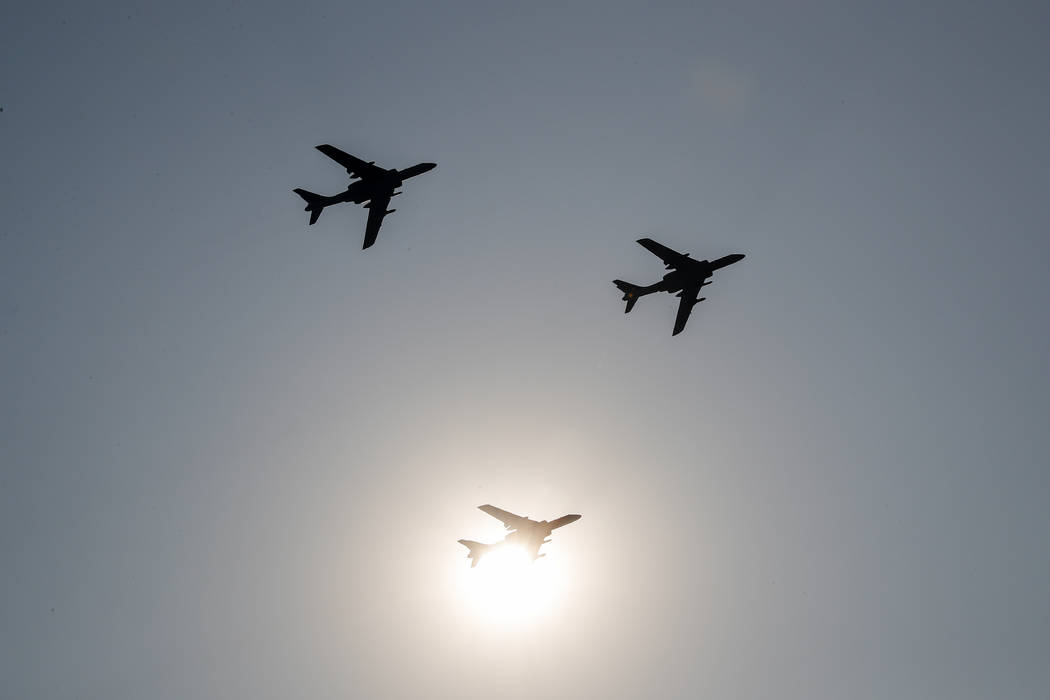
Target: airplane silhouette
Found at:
687, 276
374, 185
526, 533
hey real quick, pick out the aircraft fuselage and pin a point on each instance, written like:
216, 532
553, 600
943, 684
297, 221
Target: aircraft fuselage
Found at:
383, 185
693, 275
677, 280
361, 191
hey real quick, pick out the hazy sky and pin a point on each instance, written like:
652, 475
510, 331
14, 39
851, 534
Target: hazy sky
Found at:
237, 452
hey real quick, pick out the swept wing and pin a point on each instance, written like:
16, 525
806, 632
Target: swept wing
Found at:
510, 521
672, 258
354, 165
685, 306
376, 212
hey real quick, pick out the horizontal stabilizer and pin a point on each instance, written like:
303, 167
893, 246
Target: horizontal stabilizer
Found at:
311, 198
631, 293
315, 203
477, 550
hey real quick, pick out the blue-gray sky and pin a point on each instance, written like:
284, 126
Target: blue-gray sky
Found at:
237, 452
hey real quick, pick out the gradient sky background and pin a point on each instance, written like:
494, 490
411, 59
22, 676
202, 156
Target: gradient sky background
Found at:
237, 452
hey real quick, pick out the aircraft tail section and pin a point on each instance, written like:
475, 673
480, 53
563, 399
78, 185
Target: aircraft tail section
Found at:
477, 550
631, 293
315, 203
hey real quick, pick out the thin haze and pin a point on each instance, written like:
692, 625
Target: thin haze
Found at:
237, 452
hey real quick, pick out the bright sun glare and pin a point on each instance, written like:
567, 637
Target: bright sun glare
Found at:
506, 587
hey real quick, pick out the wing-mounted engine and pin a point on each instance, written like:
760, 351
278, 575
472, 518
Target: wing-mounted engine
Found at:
388, 211
394, 179
685, 291
670, 266
354, 175
691, 302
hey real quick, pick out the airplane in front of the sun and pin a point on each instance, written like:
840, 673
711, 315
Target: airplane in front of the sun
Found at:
375, 185
528, 534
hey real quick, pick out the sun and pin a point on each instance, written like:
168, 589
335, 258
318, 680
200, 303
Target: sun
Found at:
507, 588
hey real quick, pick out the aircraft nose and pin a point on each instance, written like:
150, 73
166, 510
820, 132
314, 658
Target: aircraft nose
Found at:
427, 167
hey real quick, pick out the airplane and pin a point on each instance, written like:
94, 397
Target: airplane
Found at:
374, 185
687, 276
525, 533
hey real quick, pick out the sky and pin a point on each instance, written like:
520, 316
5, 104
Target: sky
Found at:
237, 451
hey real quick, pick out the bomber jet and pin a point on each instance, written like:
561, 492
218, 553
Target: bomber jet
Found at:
528, 534
374, 185
687, 276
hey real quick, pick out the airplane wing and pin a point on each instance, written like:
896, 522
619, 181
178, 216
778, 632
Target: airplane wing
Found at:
511, 521
685, 306
671, 258
563, 520
354, 166
376, 212
534, 549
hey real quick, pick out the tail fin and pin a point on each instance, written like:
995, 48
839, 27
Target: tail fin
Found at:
315, 203
631, 292
477, 551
